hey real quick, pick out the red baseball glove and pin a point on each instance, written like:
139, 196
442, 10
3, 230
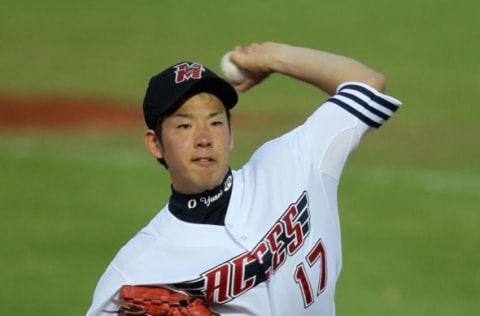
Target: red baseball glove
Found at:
158, 301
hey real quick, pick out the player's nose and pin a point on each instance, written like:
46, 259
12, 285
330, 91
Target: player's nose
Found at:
203, 137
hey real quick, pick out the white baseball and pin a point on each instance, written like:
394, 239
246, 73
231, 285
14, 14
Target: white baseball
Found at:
230, 71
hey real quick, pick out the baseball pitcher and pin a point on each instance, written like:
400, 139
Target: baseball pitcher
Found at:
262, 240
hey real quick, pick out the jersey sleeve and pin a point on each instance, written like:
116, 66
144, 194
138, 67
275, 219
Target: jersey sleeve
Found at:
334, 131
327, 138
365, 103
106, 289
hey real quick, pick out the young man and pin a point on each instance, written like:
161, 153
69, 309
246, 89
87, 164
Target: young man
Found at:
265, 239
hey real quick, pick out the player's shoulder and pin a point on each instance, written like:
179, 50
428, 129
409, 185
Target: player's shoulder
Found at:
145, 237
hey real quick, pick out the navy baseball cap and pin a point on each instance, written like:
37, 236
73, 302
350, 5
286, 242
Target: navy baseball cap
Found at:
168, 87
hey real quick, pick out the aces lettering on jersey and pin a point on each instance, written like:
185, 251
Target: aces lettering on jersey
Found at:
240, 274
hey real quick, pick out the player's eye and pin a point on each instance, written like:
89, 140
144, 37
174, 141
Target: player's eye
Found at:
217, 123
184, 126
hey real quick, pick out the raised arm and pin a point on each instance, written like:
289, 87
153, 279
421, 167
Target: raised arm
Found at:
321, 69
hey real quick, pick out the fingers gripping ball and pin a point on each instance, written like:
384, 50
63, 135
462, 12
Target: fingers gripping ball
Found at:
231, 72
158, 301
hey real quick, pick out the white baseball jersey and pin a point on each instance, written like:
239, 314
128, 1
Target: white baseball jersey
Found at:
279, 252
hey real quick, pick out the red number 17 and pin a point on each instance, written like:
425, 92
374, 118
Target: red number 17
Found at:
301, 277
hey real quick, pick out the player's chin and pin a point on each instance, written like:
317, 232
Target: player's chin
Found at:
204, 186
208, 180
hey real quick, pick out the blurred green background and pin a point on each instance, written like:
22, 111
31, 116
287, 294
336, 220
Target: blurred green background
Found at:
409, 199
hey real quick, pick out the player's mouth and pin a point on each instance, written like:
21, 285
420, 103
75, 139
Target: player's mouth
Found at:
203, 161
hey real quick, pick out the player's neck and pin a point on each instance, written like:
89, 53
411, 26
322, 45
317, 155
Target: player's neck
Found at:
208, 207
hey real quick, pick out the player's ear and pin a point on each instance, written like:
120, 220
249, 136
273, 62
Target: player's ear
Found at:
153, 144
231, 140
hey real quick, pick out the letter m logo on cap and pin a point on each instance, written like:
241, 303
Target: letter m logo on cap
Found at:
186, 71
